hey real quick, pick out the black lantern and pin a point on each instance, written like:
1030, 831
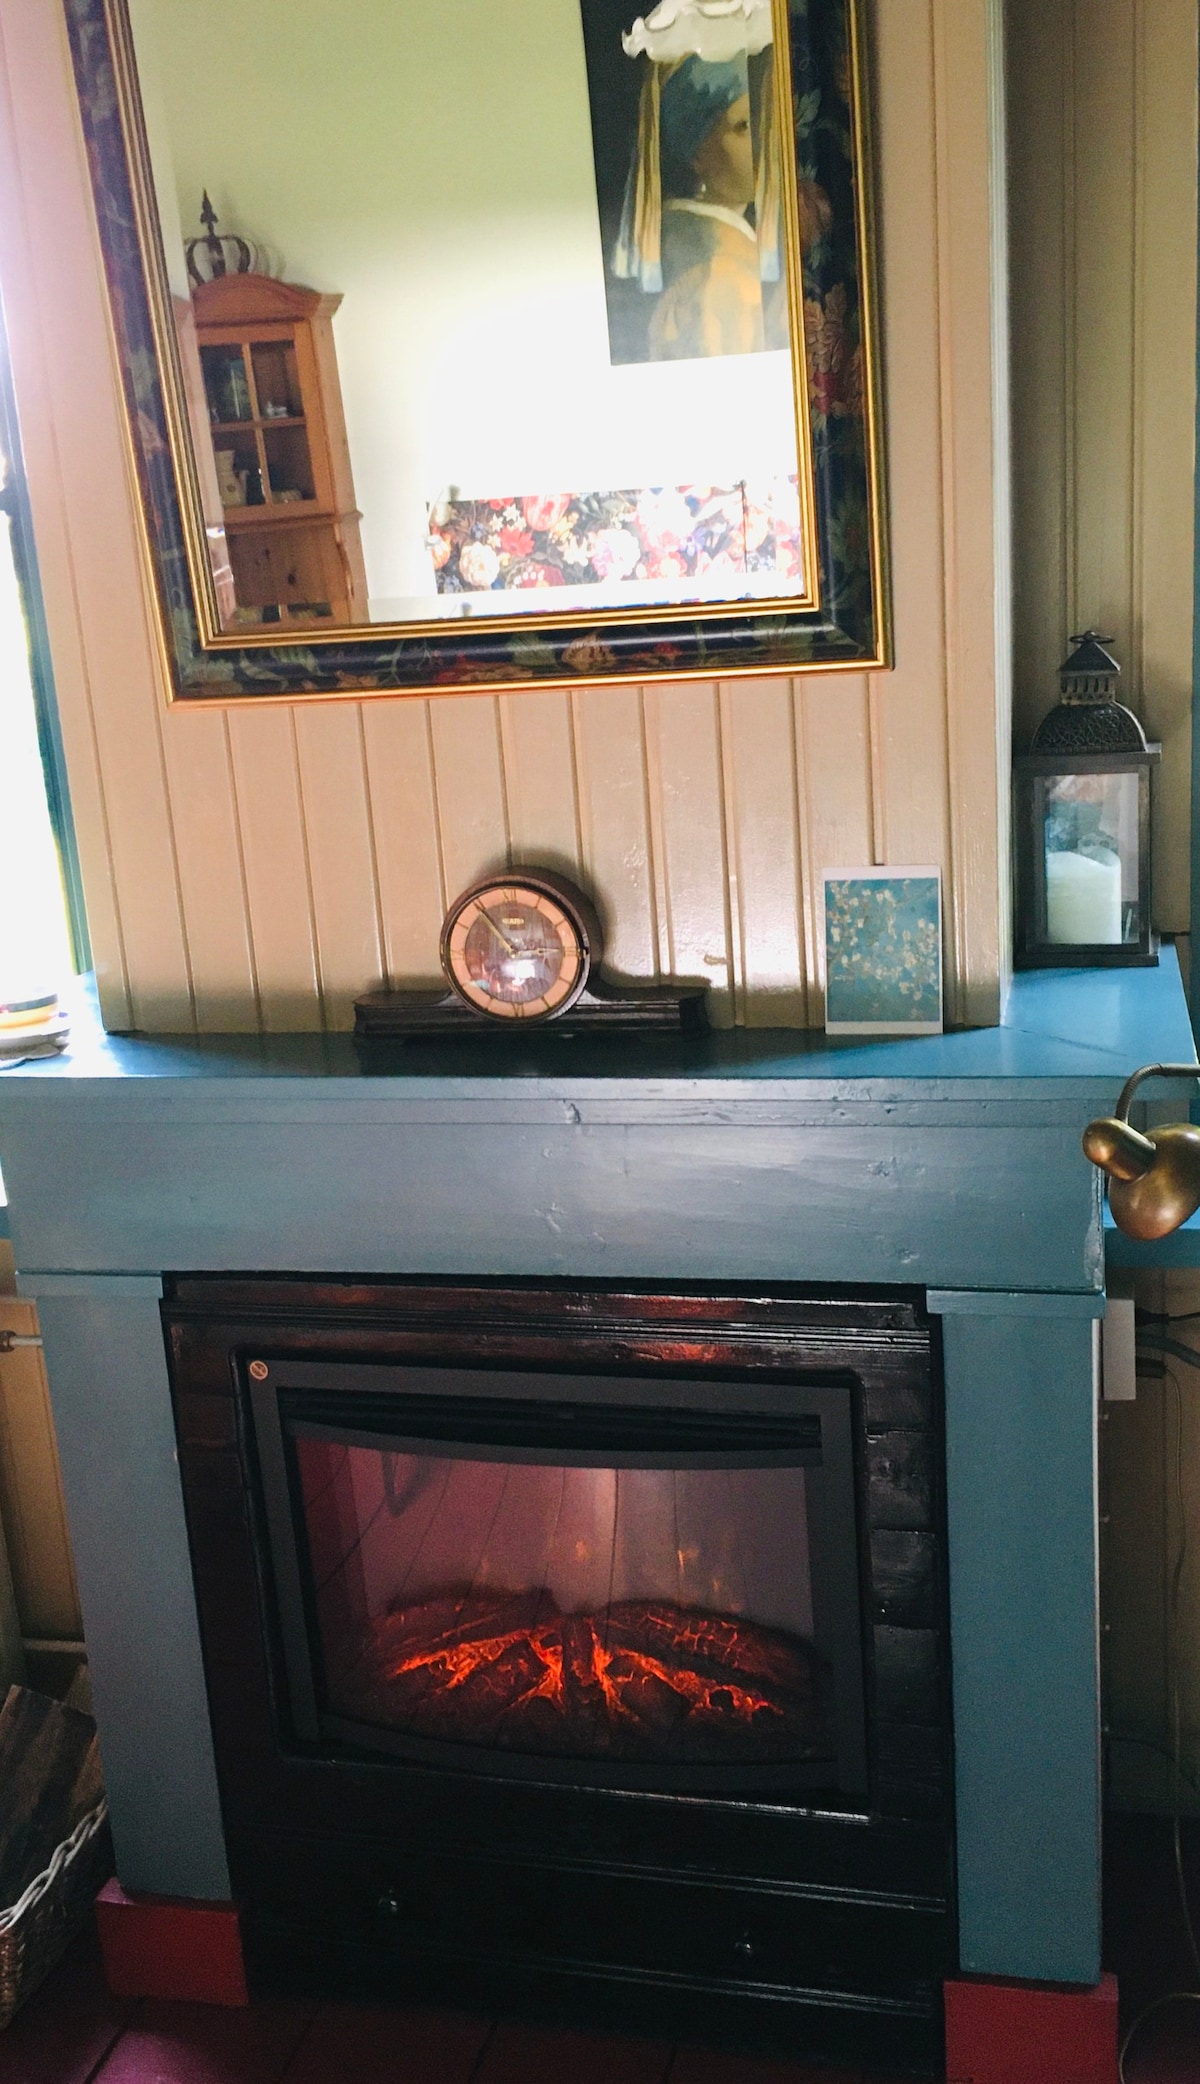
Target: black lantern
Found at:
1083, 825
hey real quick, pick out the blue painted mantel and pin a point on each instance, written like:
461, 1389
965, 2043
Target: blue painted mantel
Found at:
949, 1163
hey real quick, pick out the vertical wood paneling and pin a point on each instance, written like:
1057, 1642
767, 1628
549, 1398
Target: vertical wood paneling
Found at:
103, 589
973, 386
908, 705
758, 734
320, 851
469, 781
1102, 102
616, 828
684, 754
538, 749
31, 1499
211, 883
833, 728
1151, 1506
275, 857
29, 301
1105, 212
341, 858
1165, 368
1040, 67
412, 890
1102, 99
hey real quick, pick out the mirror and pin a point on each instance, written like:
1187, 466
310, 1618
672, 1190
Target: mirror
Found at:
512, 342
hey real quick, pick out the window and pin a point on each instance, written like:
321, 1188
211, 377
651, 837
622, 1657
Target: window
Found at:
43, 933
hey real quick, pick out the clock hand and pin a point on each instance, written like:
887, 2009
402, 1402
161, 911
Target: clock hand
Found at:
509, 946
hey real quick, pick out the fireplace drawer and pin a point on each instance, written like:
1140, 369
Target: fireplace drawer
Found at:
597, 1918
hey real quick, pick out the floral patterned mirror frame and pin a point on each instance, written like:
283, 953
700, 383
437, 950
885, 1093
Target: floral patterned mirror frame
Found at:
821, 48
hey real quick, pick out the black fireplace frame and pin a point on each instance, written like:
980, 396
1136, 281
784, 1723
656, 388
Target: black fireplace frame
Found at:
609, 1421
818, 1927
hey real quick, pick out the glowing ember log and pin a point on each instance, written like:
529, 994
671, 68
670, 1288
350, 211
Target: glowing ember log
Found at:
639, 1679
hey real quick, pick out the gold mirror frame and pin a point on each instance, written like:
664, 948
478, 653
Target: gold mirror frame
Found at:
841, 624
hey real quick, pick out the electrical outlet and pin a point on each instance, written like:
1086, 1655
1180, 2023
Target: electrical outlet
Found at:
1118, 1351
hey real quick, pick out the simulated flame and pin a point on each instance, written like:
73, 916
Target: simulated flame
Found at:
637, 1679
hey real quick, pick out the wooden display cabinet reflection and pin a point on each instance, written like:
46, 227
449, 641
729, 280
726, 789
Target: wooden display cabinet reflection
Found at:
274, 407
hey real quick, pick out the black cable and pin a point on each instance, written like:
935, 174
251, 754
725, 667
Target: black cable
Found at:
1160, 1343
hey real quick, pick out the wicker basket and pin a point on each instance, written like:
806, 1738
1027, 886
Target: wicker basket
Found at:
37, 1929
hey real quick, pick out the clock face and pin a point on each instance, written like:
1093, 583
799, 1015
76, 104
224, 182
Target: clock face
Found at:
516, 951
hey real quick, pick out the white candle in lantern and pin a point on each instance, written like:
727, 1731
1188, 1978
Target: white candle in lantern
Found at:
1083, 898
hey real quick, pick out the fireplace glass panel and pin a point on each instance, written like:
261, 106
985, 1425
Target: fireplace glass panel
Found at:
584, 1609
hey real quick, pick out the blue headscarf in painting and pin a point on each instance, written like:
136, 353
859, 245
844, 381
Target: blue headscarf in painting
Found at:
680, 104
693, 99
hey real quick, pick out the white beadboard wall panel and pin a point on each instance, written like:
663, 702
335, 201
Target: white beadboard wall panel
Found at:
270, 816
341, 854
1102, 130
105, 582
702, 818
973, 367
212, 884
683, 745
615, 823
468, 770
1165, 377
412, 889
1105, 214
909, 705
1041, 162
833, 728
759, 744
538, 747
30, 314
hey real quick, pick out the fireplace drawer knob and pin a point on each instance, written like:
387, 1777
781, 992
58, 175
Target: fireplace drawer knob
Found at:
389, 1905
744, 1947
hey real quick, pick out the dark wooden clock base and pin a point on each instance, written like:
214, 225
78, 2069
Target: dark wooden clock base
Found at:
395, 1015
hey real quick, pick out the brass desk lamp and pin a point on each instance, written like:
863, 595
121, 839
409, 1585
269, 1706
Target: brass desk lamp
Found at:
1154, 1179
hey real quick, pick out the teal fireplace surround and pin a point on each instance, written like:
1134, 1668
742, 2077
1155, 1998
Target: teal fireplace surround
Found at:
946, 1163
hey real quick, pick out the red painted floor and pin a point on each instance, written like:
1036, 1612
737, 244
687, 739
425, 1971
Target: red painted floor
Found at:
73, 2032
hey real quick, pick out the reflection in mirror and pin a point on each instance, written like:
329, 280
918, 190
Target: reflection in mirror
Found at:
515, 336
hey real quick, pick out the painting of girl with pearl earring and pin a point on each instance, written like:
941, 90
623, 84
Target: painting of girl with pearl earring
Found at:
688, 163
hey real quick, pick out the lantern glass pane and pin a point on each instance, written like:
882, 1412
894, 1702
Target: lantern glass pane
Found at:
1089, 826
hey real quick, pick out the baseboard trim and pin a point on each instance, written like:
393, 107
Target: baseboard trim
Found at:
162, 1946
1006, 2032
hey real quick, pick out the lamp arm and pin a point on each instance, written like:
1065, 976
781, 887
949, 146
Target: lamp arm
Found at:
1150, 1071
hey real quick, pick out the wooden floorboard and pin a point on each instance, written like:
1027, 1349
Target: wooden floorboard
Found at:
208, 2044
68, 2026
73, 2032
381, 2044
519, 2054
708, 2066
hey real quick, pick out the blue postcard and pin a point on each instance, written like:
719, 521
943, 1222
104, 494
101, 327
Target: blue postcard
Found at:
883, 951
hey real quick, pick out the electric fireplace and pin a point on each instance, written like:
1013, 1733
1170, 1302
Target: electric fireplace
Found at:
580, 1649
634, 1581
